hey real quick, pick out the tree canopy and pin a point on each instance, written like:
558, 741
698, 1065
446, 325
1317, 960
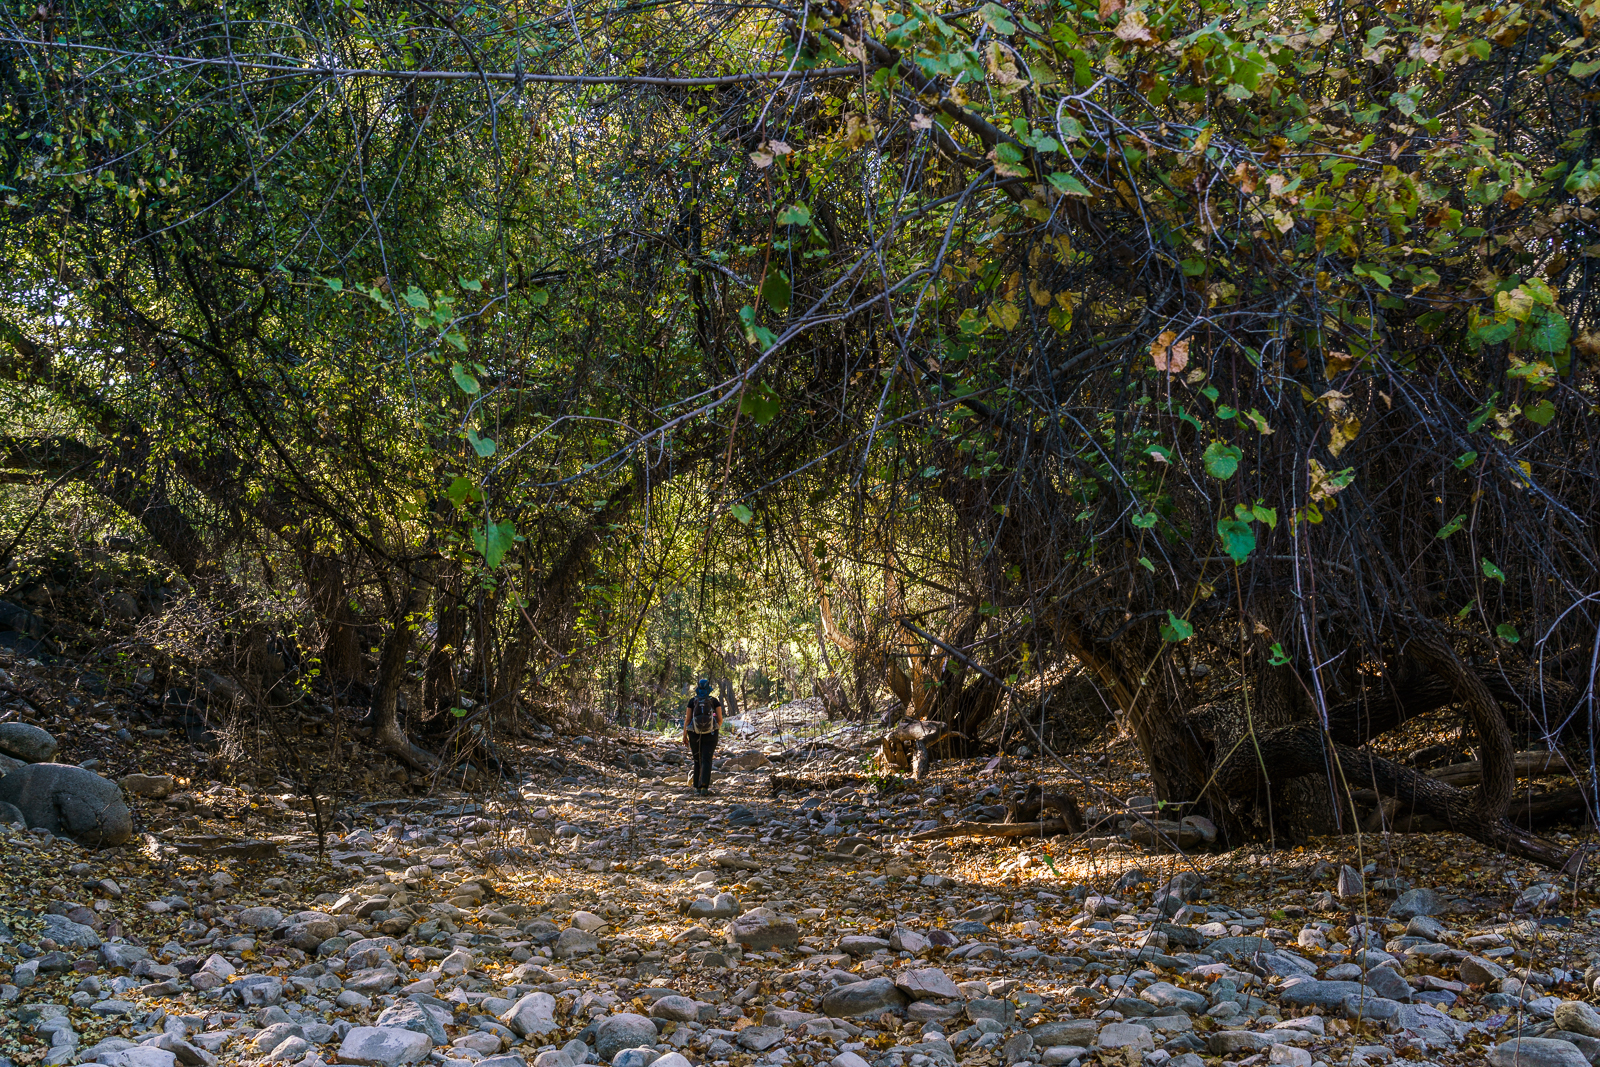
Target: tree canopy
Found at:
575, 349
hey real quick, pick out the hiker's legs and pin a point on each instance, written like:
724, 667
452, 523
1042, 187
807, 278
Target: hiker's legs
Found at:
704, 745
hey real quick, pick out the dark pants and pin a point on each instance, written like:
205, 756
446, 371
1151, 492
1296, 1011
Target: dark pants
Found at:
702, 746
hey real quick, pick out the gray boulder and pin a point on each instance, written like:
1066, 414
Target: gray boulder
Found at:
69, 802
68, 934
624, 1030
26, 742
862, 998
761, 928
575, 942
1315, 994
1415, 902
1080, 1032
383, 1046
409, 1015
1536, 1052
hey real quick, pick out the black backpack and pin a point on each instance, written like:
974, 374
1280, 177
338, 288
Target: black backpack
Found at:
703, 720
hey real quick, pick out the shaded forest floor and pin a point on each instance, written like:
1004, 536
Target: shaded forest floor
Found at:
593, 892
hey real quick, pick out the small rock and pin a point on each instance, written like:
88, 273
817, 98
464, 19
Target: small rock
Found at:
1414, 902
575, 942
1578, 1017
927, 983
1350, 883
588, 921
862, 998
1320, 994
760, 1038
759, 929
1536, 1052
533, 1014
625, 1030
1167, 995
409, 1015
1125, 1035
1065, 1032
1289, 1056
676, 1008
383, 1046
155, 786
68, 934
1474, 970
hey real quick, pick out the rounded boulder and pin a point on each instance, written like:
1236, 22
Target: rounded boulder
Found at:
69, 802
26, 742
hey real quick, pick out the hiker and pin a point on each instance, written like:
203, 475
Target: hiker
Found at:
702, 720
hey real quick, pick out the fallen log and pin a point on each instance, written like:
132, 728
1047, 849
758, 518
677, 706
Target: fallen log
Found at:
1047, 828
1528, 765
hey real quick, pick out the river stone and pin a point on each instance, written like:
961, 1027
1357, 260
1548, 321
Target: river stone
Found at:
155, 786
383, 1046
1474, 970
259, 918
676, 1008
862, 998
1065, 1032
1238, 948
1371, 1009
1017, 1047
1578, 1017
927, 983
761, 928
1167, 995
69, 802
721, 906
26, 742
1536, 1052
1315, 994
68, 934
760, 1038
409, 1015
310, 933
10, 814
1125, 1035
1388, 983
533, 1014
575, 942
1414, 902
624, 1030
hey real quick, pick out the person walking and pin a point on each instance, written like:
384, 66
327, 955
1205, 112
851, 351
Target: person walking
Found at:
702, 720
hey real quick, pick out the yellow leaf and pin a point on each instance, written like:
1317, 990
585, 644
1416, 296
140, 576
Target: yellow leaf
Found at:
1134, 29
1006, 316
1337, 363
1041, 295
1518, 303
1342, 433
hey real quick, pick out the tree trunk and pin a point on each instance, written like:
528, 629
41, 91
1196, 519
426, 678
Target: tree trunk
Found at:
439, 687
388, 732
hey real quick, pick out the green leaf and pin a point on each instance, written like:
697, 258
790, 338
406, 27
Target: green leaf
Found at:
1450, 527
776, 290
742, 513
1278, 658
459, 490
760, 403
1465, 460
417, 298
465, 380
539, 297
334, 283
494, 541
1541, 413
1583, 70
1147, 565
998, 18
483, 446
1508, 633
1145, 521
1266, 515
1175, 629
795, 215
1259, 420
470, 283
1550, 332
1238, 540
1491, 571
1067, 185
455, 340
1221, 460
